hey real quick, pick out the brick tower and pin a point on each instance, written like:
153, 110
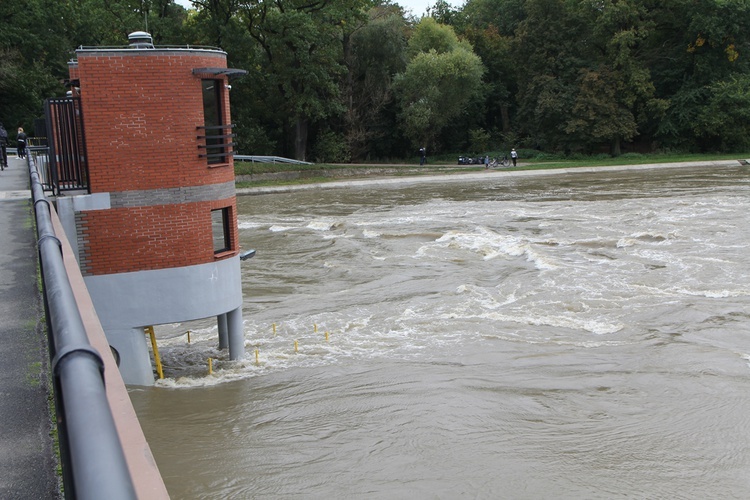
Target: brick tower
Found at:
156, 235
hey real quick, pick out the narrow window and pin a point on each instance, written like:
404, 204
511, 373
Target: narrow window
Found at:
220, 225
214, 121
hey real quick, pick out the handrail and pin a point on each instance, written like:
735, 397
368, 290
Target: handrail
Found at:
269, 159
92, 456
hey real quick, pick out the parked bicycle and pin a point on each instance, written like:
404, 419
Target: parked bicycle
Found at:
502, 162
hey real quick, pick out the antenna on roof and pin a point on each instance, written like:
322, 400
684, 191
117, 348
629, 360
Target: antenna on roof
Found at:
145, 16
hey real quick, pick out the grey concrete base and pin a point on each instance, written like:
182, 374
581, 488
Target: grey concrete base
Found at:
135, 361
128, 302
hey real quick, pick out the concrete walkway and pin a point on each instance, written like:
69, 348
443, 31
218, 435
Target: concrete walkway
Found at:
27, 459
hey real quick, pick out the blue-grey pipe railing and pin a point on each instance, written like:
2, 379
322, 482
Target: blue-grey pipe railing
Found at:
93, 461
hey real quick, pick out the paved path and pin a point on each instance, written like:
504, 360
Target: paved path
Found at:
27, 463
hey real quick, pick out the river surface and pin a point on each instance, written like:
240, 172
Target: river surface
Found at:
558, 336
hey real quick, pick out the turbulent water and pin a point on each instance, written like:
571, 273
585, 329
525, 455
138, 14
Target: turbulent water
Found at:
565, 336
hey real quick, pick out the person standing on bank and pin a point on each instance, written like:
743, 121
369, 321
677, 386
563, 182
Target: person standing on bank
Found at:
513, 156
3, 146
21, 143
422, 155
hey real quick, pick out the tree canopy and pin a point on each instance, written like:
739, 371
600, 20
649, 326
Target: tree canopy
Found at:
347, 80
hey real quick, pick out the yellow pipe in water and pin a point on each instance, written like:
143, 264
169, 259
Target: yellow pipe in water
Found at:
326, 336
274, 329
256, 357
157, 358
315, 327
210, 366
296, 346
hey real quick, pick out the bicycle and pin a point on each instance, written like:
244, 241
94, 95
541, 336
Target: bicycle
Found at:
502, 162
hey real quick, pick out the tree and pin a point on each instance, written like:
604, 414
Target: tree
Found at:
615, 92
376, 52
546, 55
301, 44
439, 81
725, 123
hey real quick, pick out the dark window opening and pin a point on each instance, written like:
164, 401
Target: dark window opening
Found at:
214, 126
220, 225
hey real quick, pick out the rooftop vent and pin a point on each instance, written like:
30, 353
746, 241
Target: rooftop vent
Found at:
140, 40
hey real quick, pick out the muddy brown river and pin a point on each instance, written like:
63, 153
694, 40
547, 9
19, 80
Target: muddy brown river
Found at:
560, 336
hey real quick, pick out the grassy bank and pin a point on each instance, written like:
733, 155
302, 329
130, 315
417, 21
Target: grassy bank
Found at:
279, 174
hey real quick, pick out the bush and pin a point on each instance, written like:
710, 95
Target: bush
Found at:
331, 148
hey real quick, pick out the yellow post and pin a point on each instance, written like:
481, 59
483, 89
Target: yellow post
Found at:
296, 346
274, 329
315, 327
326, 336
157, 359
257, 362
210, 366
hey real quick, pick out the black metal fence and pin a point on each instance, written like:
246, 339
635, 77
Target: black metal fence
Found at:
68, 164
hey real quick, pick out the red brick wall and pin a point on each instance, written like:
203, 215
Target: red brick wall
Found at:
141, 110
156, 237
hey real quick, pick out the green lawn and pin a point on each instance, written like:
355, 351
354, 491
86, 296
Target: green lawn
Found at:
312, 173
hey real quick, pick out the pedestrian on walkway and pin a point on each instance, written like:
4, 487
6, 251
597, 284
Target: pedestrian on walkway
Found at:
21, 143
3, 146
513, 156
422, 155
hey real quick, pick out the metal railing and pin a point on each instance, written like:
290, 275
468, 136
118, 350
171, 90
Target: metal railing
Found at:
92, 456
40, 157
217, 146
67, 144
269, 159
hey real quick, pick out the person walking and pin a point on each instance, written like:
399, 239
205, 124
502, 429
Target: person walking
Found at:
422, 155
3, 146
513, 156
21, 143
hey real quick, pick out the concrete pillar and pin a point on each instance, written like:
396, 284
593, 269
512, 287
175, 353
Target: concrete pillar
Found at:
236, 334
221, 320
135, 360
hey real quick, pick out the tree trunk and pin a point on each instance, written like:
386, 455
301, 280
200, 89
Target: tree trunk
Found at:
615, 147
300, 139
505, 118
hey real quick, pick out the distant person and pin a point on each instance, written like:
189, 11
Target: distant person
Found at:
3, 146
21, 143
486, 162
513, 156
422, 155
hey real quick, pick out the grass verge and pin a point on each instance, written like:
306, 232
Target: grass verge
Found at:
322, 173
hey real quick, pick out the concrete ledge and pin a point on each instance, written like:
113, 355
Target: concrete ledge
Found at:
146, 477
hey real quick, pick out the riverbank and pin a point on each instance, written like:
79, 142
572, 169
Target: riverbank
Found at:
387, 176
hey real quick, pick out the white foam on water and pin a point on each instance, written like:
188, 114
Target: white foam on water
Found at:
246, 224
323, 225
277, 228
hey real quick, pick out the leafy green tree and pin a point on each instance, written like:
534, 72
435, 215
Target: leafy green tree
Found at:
546, 54
724, 124
440, 80
697, 45
375, 54
301, 44
615, 92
